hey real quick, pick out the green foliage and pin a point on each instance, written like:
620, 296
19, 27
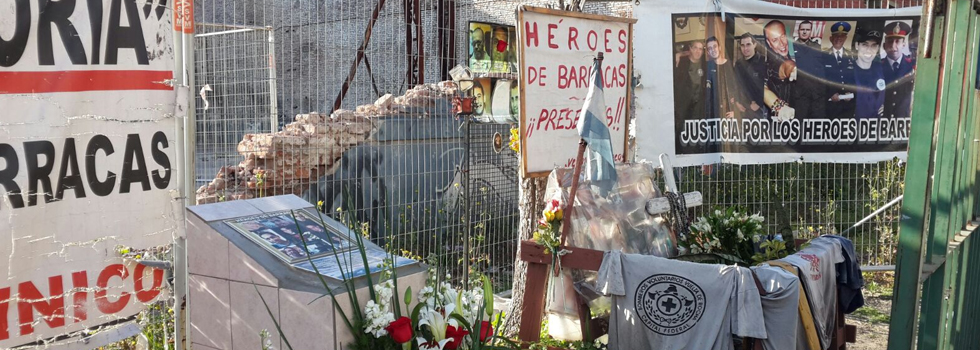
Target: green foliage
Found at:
872, 315
771, 250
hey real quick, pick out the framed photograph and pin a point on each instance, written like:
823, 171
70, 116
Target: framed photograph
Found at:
280, 234
492, 48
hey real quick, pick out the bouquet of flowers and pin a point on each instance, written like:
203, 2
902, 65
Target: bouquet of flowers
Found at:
445, 318
549, 226
723, 232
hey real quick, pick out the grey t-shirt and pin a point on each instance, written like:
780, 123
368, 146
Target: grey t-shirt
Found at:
817, 268
781, 308
674, 305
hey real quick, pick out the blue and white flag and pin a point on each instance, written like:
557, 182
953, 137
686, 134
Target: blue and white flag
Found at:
599, 161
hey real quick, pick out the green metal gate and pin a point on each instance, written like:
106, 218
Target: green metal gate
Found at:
938, 266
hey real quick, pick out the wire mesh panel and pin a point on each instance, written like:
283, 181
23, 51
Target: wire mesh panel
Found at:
235, 76
807, 199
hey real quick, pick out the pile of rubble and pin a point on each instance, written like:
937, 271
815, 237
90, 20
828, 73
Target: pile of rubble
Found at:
291, 160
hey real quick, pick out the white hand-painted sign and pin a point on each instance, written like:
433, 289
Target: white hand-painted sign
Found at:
87, 162
556, 52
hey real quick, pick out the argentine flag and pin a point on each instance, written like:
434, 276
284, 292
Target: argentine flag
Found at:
599, 160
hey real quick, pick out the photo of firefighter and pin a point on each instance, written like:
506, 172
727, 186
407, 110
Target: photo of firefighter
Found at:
479, 57
898, 67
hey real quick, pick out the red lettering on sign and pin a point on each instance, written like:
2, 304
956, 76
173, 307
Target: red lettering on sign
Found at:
101, 301
592, 40
563, 76
30, 299
605, 38
144, 295
52, 308
79, 281
4, 307
573, 38
532, 34
551, 35
622, 41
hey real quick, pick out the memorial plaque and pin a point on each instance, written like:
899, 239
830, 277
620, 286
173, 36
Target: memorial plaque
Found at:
283, 233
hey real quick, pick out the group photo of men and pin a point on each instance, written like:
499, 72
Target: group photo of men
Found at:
777, 69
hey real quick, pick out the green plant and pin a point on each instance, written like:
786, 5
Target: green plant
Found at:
872, 315
772, 249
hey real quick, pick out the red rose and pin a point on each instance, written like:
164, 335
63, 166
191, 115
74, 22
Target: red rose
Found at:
501, 45
486, 331
455, 335
400, 330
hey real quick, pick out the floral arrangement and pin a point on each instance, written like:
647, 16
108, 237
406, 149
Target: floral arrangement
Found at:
724, 232
515, 140
549, 226
444, 318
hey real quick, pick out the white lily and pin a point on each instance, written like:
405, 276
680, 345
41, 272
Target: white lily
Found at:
424, 345
437, 321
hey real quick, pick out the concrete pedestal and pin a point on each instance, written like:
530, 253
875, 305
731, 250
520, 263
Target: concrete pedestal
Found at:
227, 271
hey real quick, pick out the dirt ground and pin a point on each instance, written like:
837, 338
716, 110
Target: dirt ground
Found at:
872, 319
872, 333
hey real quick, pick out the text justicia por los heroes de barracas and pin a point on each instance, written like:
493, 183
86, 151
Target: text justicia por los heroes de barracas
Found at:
809, 131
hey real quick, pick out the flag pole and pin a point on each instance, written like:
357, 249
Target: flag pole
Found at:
576, 173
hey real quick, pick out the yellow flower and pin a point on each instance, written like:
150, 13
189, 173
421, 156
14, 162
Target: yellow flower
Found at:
559, 214
319, 204
549, 215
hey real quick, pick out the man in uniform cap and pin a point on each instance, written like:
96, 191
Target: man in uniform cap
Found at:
899, 70
839, 67
869, 81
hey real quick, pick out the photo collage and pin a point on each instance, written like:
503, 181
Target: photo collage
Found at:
839, 72
493, 60
278, 233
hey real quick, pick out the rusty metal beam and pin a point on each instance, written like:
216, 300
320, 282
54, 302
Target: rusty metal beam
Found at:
447, 37
360, 55
414, 50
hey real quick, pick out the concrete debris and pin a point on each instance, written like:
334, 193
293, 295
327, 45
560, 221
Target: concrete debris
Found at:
291, 160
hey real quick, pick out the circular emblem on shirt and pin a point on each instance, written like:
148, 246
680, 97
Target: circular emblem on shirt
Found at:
669, 304
881, 84
700, 72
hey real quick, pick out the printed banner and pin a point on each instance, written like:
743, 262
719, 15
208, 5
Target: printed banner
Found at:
767, 83
557, 49
87, 158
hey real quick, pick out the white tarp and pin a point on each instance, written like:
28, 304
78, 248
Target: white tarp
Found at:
667, 28
87, 162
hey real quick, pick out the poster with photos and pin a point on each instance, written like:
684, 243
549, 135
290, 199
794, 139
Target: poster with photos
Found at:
496, 100
764, 84
492, 48
280, 234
